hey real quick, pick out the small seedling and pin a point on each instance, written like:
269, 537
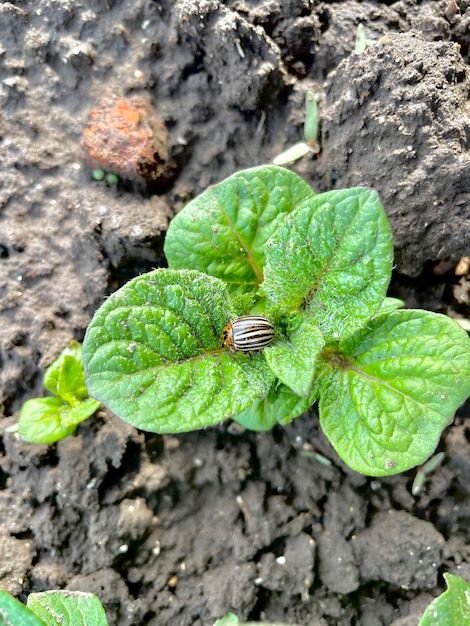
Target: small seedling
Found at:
111, 179
52, 608
428, 468
362, 41
310, 145
98, 174
323, 460
49, 419
387, 381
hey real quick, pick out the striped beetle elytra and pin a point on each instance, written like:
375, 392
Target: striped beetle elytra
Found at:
248, 333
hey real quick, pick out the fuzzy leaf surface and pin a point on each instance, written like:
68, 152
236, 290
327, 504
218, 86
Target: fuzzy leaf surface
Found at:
223, 231
293, 361
68, 608
333, 254
452, 607
388, 395
153, 354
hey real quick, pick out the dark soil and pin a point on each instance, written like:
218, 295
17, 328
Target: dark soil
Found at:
180, 530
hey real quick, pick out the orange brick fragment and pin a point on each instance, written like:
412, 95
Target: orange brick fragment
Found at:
126, 137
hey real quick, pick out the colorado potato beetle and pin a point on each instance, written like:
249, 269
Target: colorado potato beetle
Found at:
248, 333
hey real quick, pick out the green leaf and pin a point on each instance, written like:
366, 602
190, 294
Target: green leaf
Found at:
256, 418
332, 255
72, 387
153, 354
279, 407
68, 608
223, 231
65, 377
47, 420
451, 608
389, 393
293, 361
13, 613
388, 305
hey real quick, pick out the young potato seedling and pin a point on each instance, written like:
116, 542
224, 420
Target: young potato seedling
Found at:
311, 144
316, 268
49, 419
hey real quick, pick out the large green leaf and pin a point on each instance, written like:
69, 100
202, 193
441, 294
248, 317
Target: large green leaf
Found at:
333, 255
153, 354
223, 231
389, 393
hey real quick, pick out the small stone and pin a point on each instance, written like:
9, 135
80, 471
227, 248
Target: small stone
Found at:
127, 138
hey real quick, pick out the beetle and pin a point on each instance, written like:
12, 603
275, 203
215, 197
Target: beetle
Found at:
248, 333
